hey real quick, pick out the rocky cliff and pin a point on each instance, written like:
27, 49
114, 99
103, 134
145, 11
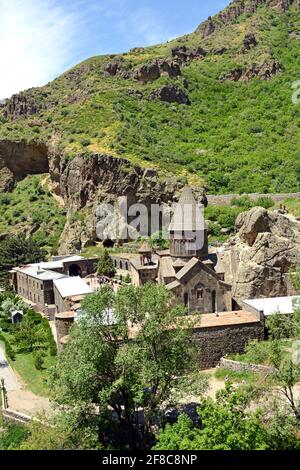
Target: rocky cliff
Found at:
261, 254
238, 8
200, 108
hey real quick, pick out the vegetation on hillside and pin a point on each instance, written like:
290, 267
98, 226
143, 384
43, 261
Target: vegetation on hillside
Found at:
236, 136
31, 209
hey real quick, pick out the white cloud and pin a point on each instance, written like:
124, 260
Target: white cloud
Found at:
36, 41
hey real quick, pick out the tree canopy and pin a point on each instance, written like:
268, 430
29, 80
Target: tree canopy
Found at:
16, 250
124, 359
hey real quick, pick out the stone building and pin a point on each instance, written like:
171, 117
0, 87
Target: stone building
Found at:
35, 282
186, 269
69, 292
35, 285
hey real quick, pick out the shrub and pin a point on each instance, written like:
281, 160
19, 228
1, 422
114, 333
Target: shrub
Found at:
85, 142
39, 360
8, 349
266, 202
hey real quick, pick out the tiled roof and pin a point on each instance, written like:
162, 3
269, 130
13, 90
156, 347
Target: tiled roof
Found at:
189, 265
166, 267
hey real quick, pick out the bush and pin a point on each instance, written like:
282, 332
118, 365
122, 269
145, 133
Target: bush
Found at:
85, 142
266, 202
13, 436
8, 349
39, 360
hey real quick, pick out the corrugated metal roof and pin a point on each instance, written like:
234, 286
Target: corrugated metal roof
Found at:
270, 306
36, 271
72, 286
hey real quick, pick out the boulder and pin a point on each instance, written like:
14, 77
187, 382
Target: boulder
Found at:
148, 72
169, 68
249, 42
265, 71
261, 254
7, 180
112, 68
170, 94
185, 54
19, 106
219, 51
234, 75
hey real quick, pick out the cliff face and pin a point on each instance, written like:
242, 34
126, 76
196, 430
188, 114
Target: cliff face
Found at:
85, 183
18, 159
199, 108
261, 254
238, 8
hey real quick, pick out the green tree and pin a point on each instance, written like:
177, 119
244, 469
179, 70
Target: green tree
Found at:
9, 305
106, 265
138, 346
227, 424
31, 334
16, 250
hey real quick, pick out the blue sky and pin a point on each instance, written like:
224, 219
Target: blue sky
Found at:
39, 39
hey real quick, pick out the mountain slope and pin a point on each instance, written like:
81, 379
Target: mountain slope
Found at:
214, 107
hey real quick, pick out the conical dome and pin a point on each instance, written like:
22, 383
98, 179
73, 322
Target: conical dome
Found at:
145, 248
188, 215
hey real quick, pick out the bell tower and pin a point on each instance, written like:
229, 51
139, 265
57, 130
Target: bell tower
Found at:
188, 231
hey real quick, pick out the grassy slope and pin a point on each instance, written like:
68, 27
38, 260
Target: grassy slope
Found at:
35, 380
238, 137
32, 205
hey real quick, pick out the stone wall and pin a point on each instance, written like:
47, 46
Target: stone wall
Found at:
225, 199
216, 342
237, 366
63, 324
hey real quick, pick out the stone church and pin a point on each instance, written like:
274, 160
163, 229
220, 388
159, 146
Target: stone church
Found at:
187, 269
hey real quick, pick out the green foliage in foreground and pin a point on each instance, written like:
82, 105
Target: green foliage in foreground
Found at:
226, 424
119, 374
13, 436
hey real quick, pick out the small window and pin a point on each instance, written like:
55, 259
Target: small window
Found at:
200, 294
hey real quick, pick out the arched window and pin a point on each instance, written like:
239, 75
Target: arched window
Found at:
200, 293
214, 301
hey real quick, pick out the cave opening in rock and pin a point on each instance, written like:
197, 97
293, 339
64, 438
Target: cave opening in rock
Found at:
108, 243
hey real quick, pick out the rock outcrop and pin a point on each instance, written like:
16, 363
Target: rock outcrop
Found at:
20, 158
19, 106
249, 42
86, 182
261, 254
185, 54
265, 71
238, 8
153, 71
170, 94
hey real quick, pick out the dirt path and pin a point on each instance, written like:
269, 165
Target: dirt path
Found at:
18, 398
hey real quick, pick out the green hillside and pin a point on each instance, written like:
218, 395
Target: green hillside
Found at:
237, 136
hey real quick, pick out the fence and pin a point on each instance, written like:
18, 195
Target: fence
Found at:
11, 415
225, 199
244, 367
